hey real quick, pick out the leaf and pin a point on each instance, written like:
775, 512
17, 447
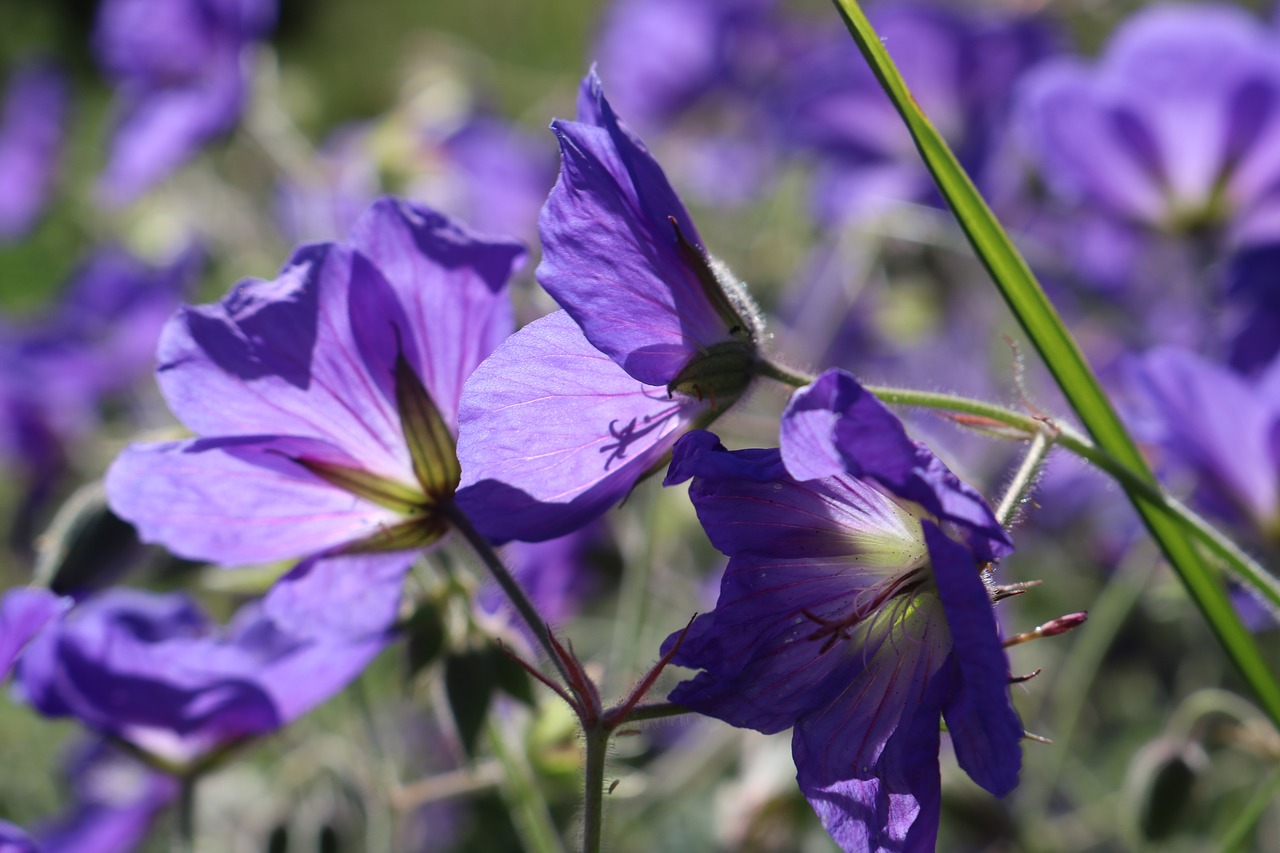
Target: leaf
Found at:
469, 683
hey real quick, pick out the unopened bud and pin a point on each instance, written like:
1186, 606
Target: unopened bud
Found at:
1052, 628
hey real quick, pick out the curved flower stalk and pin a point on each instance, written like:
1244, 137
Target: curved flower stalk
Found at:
655, 337
856, 608
1175, 128
325, 403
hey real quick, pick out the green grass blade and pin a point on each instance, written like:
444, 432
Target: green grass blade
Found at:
1039, 319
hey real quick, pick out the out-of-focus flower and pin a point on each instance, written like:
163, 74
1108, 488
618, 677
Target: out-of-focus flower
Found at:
154, 671
31, 132
1253, 291
655, 337
1176, 127
325, 401
1220, 427
116, 802
855, 609
14, 839
23, 614
181, 70
961, 69
325, 203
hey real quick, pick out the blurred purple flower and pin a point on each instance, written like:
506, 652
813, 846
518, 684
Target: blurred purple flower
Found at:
325, 401
23, 614
1253, 291
961, 69
1222, 429
31, 133
1176, 127
181, 70
154, 671
325, 205
855, 608
654, 338
14, 839
692, 48
116, 802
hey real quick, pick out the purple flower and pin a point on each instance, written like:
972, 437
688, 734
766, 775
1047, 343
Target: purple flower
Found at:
325, 403
154, 671
181, 69
31, 131
1253, 290
14, 839
960, 68
325, 203
655, 337
1220, 427
23, 614
855, 608
1176, 127
116, 802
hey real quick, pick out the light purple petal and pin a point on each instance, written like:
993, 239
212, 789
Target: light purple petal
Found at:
985, 730
23, 613
31, 132
452, 285
341, 595
239, 500
280, 358
552, 433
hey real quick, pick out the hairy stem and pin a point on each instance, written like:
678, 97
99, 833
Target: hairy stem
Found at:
1025, 477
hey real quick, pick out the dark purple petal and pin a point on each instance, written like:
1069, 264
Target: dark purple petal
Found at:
239, 500
985, 730
612, 232
23, 614
343, 595
896, 806
451, 284
552, 433
31, 132
281, 358
834, 424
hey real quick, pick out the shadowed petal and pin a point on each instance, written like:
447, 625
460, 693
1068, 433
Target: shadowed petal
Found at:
280, 357
985, 730
552, 433
239, 500
451, 284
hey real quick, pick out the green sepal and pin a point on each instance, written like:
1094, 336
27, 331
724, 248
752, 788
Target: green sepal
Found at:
431, 444
408, 535
391, 494
720, 374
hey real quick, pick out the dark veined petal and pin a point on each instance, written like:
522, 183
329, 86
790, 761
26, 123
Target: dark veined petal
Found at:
552, 433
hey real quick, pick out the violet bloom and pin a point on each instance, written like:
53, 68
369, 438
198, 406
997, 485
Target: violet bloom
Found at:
961, 69
31, 132
181, 70
655, 337
325, 403
855, 608
14, 839
1253, 291
23, 614
1221, 428
1176, 127
116, 801
154, 671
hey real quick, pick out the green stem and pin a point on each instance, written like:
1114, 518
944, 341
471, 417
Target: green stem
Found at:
1025, 477
515, 593
185, 842
597, 748
1238, 833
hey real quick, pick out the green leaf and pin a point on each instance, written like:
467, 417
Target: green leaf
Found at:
511, 677
426, 634
469, 683
1039, 319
